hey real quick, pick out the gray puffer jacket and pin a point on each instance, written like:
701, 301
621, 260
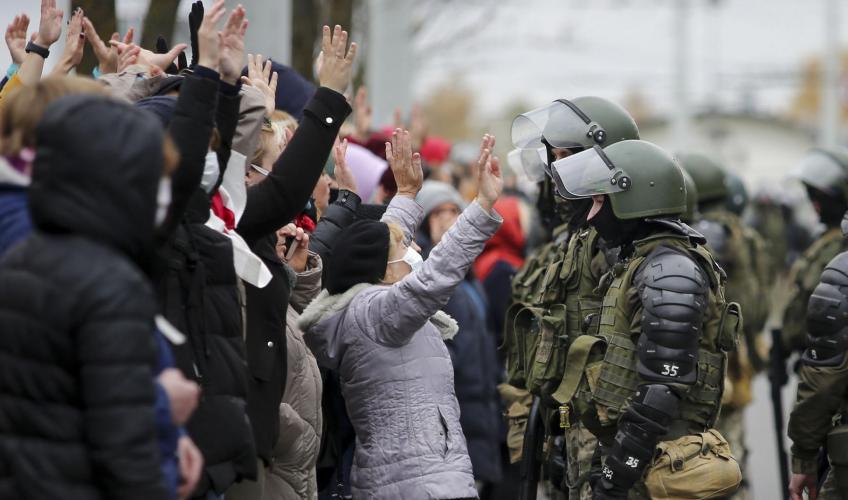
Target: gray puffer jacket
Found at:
396, 373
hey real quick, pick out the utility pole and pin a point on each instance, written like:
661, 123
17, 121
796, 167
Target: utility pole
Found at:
682, 119
830, 105
391, 59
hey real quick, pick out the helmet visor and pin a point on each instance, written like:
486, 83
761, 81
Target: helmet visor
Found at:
560, 123
533, 162
822, 172
588, 173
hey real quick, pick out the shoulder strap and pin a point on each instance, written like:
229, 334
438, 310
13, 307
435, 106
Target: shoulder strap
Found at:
575, 363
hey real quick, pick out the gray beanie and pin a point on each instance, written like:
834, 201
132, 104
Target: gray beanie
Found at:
434, 193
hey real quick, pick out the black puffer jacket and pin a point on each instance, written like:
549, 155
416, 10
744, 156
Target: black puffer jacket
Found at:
78, 351
198, 291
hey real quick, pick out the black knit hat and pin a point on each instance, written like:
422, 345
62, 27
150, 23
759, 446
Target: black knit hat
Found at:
359, 256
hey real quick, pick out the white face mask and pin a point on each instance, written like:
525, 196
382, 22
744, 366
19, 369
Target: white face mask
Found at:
211, 172
411, 257
163, 200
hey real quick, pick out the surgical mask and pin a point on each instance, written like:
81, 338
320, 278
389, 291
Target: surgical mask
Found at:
211, 172
412, 258
163, 200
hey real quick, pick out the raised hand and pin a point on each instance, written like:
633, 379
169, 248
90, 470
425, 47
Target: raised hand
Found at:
50, 25
74, 44
260, 76
231, 46
342, 172
156, 62
362, 114
195, 17
405, 165
490, 177
207, 36
106, 54
128, 55
417, 126
16, 38
336, 60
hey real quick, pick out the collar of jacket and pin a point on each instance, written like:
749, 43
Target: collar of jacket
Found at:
326, 305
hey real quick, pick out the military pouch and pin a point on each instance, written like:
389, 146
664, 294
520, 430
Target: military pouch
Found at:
546, 346
517, 402
695, 466
837, 451
514, 348
729, 327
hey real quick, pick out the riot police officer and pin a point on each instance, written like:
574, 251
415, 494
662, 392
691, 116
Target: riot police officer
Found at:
739, 251
649, 383
824, 173
819, 418
553, 293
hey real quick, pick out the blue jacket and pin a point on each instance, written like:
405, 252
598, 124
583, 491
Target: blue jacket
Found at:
15, 223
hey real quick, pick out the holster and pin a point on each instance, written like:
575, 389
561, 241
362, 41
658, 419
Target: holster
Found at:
837, 451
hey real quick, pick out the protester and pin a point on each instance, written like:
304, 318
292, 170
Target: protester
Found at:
474, 350
77, 385
377, 323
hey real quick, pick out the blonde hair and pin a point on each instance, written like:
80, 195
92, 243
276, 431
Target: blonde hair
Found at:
270, 134
21, 112
284, 119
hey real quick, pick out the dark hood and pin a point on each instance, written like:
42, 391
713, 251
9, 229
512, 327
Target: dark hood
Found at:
96, 173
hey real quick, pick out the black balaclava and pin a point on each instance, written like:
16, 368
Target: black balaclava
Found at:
615, 231
829, 207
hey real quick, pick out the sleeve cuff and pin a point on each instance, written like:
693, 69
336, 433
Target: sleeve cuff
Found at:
204, 72
804, 465
13, 68
349, 200
329, 107
229, 90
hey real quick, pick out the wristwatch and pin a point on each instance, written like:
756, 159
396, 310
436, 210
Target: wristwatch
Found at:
38, 49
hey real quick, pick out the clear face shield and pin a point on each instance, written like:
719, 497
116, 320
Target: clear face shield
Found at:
562, 125
588, 173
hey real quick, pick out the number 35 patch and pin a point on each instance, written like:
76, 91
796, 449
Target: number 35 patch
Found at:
670, 369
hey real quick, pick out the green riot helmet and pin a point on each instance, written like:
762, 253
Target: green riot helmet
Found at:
825, 169
641, 179
737, 193
709, 176
691, 198
577, 124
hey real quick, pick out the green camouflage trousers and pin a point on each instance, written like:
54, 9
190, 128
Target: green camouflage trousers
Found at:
731, 425
828, 490
580, 445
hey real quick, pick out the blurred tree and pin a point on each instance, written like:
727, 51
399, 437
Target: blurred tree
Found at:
448, 110
160, 20
102, 15
311, 16
806, 104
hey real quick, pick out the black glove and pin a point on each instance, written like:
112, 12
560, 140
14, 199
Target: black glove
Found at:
602, 489
195, 18
162, 48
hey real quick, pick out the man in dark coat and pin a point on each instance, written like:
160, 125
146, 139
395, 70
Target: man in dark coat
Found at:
78, 350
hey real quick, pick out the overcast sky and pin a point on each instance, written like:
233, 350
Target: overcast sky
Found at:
537, 50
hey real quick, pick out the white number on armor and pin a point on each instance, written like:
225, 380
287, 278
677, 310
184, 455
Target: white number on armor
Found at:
632, 462
607, 472
670, 370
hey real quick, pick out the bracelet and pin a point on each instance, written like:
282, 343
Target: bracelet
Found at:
38, 49
13, 68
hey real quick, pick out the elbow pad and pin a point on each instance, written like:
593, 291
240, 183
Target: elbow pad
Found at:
827, 316
674, 298
641, 427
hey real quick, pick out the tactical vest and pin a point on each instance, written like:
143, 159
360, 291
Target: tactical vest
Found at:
804, 276
602, 372
554, 301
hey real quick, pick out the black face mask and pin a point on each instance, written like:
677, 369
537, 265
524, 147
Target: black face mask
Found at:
831, 209
614, 231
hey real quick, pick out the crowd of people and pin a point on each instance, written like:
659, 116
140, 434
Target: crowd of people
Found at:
221, 281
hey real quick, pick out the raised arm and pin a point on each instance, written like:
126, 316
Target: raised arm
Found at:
275, 202
408, 304
340, 213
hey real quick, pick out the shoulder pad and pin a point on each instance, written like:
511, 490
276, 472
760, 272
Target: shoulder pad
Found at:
717, 237
827, 316
679, 227
674, 297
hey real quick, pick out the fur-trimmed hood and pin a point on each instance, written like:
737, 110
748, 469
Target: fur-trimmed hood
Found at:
326, 306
